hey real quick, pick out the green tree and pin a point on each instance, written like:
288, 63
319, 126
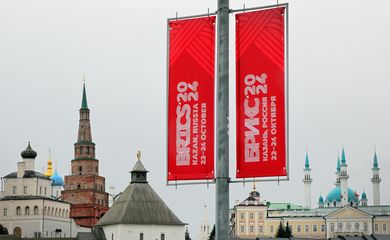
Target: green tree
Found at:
288, 231
3, 230
212, 234
281, 231
187, 235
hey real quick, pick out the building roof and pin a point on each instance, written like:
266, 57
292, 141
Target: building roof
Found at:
284, 206
29, 197
28, 174
139, 204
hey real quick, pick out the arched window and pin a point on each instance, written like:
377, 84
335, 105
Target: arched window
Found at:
52, 212
88, 149
36, 210
48, 211
349, 226
357, 226
18, 210
340, 227
78, 186
56, 212
66, 213
27, 210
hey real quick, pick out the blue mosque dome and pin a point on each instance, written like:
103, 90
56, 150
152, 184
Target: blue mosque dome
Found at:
57, 179
335, 195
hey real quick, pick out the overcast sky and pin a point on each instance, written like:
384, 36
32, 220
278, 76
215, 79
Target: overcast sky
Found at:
339, 91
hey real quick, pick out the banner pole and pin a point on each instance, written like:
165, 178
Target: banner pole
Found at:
222, 163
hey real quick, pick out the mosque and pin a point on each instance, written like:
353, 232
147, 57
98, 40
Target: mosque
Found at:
343, 212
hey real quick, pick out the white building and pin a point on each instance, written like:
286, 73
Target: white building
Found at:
205, 228
139, 213
27, 205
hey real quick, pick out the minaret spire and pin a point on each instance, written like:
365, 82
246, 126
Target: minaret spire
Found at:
376, 181
307, 182
344, 179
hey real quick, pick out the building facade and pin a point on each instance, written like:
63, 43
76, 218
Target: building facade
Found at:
342, 213
85, 188
139, 213
27, 205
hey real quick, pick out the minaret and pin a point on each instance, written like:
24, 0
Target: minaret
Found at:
204, 226
375, 182
344, 179
307, 183
364, 199
337, 183
84, 188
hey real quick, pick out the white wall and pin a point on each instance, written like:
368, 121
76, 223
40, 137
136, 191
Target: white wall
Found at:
150, 232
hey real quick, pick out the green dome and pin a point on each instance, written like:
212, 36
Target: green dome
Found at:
335, 195
321, 200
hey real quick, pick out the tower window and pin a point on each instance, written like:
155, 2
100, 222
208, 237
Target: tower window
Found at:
141, 236
162, 236
5, 212
78, 186
18, 210
88, 150
27, 211
14, 189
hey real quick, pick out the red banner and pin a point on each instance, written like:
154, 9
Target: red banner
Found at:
191, 99
261, 100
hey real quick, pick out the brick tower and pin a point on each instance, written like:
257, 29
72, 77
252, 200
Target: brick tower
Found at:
84, 188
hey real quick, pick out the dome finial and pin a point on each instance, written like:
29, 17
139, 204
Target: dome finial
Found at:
139, 155
254, 185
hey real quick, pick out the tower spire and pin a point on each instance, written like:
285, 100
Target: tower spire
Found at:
307, 182
84, 103
343, 158
307, 164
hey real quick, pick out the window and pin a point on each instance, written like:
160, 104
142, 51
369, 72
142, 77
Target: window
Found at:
340, 226
306, 228
251, 215
27, 211
25, 190
376, 227
36, 210
349, 226
332, 227
5, 212
384, 228
45, 191
80, 168
322, 228
162, 236
365, 227
298, 228
14, 189
357, 226
18, 210
141, 236
242, 229
251, 229
242, 215
260, 215
260, 229
271, 229
314, 228
40, 190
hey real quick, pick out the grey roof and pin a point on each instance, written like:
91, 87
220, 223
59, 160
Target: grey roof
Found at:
86, 236
139, 167
28, 174
139, 204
